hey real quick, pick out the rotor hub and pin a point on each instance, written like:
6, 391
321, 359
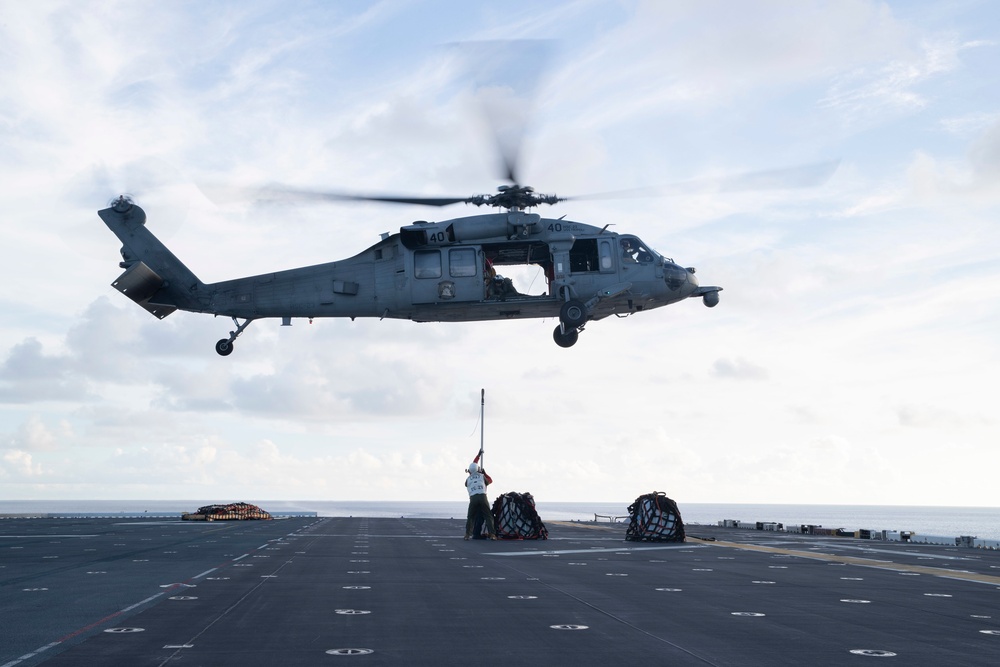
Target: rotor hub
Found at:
122, 204
513, 197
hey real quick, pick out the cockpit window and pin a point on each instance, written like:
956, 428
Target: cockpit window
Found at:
635, 251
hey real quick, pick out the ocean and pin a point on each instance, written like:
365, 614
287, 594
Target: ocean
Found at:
982, 522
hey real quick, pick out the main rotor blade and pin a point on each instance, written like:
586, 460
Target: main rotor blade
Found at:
222, 194
800, 176
505, 75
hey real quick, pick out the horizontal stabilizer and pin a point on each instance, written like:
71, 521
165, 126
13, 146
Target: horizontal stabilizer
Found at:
140, 283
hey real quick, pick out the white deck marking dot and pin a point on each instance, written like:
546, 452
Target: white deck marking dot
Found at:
350, 651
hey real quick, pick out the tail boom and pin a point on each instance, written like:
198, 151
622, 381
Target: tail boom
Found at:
154, 278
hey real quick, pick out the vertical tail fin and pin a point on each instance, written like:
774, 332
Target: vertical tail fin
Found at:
154, 278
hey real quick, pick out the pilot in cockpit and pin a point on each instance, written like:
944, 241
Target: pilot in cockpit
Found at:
628, 251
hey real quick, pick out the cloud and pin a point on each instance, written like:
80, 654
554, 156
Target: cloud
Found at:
19, 464
842, 304
917, 416
29, 376
35, 435
985, 155
975, 180
971, 123
892, 88
738, 369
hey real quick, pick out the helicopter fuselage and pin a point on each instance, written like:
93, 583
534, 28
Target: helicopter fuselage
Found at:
449, 271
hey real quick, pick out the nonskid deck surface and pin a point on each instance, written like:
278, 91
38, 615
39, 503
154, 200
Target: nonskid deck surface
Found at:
411, 591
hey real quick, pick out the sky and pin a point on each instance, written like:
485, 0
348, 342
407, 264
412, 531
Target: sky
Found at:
852, 359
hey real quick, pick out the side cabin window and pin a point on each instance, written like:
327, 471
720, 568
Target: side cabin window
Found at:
607, 264
462, 262
427, 263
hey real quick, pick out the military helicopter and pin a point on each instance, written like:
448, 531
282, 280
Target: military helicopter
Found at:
446, 271
443, 271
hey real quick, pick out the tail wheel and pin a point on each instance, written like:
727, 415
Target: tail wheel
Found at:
573, 314
224, 347
567, 339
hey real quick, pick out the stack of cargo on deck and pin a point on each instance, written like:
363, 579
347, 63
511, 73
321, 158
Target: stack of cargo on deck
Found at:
230, 512
654, 518
516, 518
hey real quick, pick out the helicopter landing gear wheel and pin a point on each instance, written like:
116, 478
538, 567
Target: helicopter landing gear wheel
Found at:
567, 339
573, 314
225, 345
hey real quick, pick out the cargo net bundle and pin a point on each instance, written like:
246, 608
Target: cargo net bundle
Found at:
654, 518
515, 518
230, 512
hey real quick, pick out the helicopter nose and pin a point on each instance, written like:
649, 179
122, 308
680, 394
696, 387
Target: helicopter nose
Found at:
677, 277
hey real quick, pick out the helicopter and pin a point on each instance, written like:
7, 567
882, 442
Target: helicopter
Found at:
449, 270
445, 271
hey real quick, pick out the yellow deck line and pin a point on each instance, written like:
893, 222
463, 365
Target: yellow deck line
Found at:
853, 560
832, 558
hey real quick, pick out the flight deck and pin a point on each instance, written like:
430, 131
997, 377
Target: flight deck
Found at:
379, 591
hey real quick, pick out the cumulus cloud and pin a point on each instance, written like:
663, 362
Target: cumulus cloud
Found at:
18, 463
